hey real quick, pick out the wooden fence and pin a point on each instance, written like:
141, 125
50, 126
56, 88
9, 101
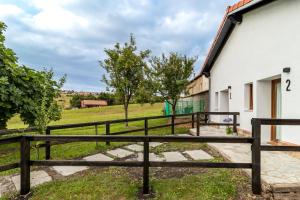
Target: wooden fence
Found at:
25, 140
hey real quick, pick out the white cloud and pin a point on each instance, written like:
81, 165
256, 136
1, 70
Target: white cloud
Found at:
189, 22
7, 10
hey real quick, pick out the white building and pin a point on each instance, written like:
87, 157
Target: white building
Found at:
254, 65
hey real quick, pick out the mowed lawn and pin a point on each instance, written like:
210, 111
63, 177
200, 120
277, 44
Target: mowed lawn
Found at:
125, 183
10, 153
98, 114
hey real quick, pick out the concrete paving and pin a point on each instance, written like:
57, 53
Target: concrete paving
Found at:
120, 153
174, 156
98, 157
152, 157
198, 155
36, 178
135, 147
68, 170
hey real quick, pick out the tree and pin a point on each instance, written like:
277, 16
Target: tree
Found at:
10, 94
125, 68
169, 76
47, 109
21, 88
76, 100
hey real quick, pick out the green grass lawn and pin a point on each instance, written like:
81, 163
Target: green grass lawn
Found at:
125, 183
10, 153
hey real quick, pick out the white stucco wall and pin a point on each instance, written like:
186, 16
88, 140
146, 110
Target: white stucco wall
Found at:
258, 49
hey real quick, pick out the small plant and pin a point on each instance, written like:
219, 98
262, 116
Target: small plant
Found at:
229, 130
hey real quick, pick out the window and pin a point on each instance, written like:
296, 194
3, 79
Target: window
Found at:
216, 101
249, 96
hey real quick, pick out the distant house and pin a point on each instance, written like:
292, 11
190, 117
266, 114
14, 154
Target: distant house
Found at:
93, 103
254, 66
197, 93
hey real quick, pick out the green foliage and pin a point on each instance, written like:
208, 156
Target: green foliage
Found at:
21, 88
47, 109
229, 130
125, 68
169, 76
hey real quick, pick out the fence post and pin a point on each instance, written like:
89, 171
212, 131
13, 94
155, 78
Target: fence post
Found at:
25, 166
205, 118
146, 167
107, 129
256, 157
172, 124
96, 130
146, 126
234, 123
198, 124
47, 145
193, 120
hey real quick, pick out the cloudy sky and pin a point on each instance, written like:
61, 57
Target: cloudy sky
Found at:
69, 36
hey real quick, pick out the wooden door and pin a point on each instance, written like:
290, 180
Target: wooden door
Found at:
276, 107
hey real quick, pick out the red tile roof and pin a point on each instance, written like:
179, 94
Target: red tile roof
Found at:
238, 5
228, 10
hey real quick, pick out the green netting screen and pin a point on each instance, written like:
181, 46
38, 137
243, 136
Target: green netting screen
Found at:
184, 106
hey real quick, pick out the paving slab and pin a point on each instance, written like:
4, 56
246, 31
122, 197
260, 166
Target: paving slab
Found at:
68, 170
98, 157
135, 147
183, 135
120, 153
155, 144
199, 155
152, 157
6, 185
174, 156
36, 178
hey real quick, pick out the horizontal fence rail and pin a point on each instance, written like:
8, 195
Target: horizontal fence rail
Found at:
26, 162
256, 156
198, 119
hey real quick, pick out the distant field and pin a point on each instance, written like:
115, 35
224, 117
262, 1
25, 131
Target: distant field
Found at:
98, 114
64, 100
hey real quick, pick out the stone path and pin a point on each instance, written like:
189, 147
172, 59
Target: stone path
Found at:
132, 151
279, 170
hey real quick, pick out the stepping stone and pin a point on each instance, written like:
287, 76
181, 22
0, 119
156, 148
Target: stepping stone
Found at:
98, 157
152, 157
120, 153
68, 170
36, 178
155, 144
183, 135
6, 185
135, 147
174, 156
198, 155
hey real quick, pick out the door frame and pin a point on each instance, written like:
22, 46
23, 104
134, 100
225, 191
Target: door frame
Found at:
274, 107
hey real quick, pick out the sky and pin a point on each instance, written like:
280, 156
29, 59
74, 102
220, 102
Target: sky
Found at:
69, 36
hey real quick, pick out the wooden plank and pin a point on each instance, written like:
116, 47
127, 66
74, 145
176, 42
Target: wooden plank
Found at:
146, 165
85, 163
9, 166
10, 140
279, 148
256, 157
152, 138
25, 166
200, 164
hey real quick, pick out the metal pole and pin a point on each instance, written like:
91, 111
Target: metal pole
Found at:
198, 124
172, 125
47, 146
25, 166
193, 120
107, 128
96, 130
146, 167
146, 126
256, 157
234, 123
